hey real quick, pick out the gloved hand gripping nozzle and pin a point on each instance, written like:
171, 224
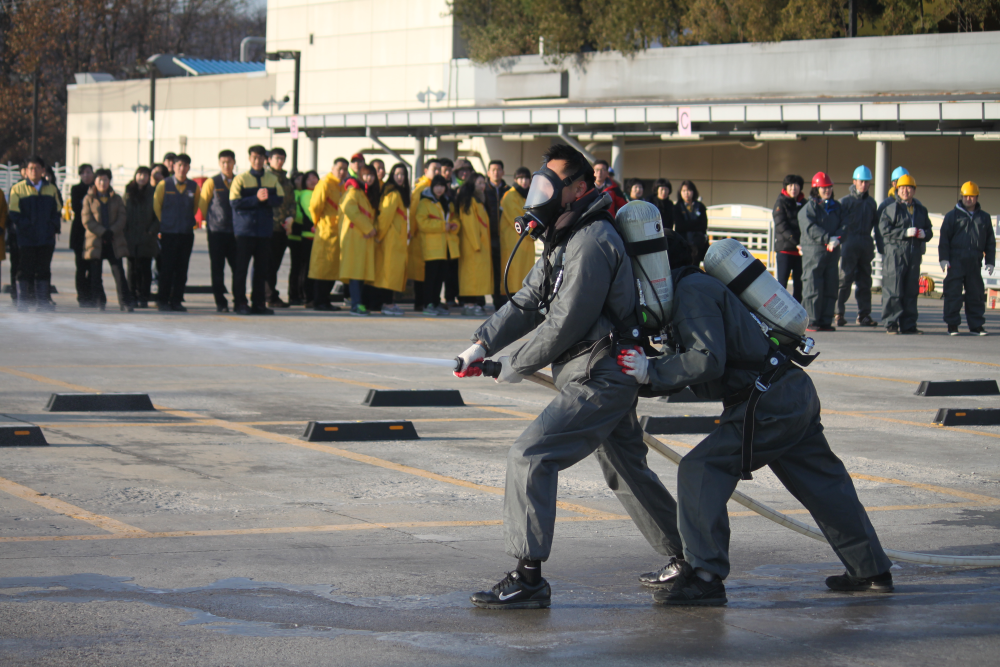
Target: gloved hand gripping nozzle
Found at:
489, 368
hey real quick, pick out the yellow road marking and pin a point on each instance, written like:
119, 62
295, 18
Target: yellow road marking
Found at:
503, 411
45, 380
965, 361
912, 423
975, 497
113, 526
322, 377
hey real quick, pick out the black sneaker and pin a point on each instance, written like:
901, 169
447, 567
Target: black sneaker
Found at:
952, 330
892, 329
867, 321
161, 307
222, 309
979, 331
688, 589
261, 310
912, 332
880, 583
512, 592
841, 321
178, 308
665, 575
242, 309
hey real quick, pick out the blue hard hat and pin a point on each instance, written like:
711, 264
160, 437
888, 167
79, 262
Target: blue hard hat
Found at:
863, 173
897, 172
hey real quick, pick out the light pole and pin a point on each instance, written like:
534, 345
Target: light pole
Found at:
137, 109
426, 95
297, 57
151, 66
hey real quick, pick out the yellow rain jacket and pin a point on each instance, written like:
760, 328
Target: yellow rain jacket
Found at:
391, 250
324, 209
511, 206
357, 218
415, 260
436, 241
475, 266
3, 225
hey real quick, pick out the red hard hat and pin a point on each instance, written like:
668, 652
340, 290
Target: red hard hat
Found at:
821, 180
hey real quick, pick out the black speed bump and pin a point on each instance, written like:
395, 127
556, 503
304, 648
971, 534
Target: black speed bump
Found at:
99, 403
414, 398
968, 417
980, 387
678, 425
21, 435
360, 431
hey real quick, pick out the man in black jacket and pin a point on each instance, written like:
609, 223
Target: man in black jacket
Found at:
967, 239
857, 248
77, 236
495, 190
787, 234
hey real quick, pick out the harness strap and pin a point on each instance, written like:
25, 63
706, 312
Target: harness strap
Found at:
777, 363
645, 247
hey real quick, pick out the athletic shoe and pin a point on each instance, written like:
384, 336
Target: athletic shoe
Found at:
880, 583
489, 309
242, 309
867, 321
665, 576
892, 329
468, 311
688, 589
952, 330
913, 331
392, 310
161, 307
431, 311
512, 592
261, 310
178, 308
326, 307
979, 331
841, 321
359, 311
221, 309
443, 311
479, 311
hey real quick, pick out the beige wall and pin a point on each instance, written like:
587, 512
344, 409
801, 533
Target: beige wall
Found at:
733, 174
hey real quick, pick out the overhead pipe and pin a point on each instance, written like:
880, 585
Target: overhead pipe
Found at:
370, 133
793, 524
245, 46
561, 133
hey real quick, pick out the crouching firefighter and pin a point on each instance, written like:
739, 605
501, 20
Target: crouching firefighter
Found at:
752, 361
582, 281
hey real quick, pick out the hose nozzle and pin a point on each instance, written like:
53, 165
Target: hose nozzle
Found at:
489, 368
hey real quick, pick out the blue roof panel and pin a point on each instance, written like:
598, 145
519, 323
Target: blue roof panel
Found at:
203, 67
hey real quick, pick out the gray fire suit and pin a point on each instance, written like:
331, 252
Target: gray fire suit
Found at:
820, 221
857, 251
901, 261
715, 330
967, 239
594, 411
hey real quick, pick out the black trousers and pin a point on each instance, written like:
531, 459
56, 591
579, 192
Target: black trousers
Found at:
140, 278
35, 263
175, 255
451, 283
221, 249
435, 273
279, 242
965, 274
84, 282
418, 295
300, 287
258, 249
498, 266
790, 265
14, 255
117, 272
321, 292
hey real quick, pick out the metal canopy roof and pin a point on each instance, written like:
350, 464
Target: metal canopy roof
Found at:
872, 118
201, 67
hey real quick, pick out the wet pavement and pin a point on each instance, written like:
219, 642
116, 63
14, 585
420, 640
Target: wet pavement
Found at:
210, 533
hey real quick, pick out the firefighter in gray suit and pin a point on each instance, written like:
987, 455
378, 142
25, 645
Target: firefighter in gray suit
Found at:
568, 300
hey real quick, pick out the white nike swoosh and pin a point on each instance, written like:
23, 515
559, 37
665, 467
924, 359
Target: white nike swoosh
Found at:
507, 597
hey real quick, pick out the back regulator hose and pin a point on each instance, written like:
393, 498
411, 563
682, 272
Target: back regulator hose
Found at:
794, 524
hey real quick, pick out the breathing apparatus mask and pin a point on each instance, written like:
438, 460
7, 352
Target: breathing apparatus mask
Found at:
543, 205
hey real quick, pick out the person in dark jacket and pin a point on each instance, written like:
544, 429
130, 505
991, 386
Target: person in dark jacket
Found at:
606, 185
175, 201
636, 190
857, 248
76, 238
496, 188
34, 215
788, 235
104, 219
967, 239
217, 215
142, 230
254, 195
300, 242
691, 220
905, 229
822, 223
284, 216
662, 189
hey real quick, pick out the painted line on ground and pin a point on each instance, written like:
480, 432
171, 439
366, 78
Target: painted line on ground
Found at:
44, 380
113, 526
936, 427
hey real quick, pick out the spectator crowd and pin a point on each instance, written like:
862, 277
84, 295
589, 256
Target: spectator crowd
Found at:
361, 232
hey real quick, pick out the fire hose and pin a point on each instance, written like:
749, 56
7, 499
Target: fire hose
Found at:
492, 369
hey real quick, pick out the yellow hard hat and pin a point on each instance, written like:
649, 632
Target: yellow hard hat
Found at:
906, 179
970, 189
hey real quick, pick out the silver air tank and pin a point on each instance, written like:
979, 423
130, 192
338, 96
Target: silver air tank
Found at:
730, 262
642, 229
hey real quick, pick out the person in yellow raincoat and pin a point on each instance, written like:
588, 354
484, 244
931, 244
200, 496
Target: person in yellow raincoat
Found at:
390, 241
324, 209
415, 260
358, 211
439, 241
475, 266
512, 206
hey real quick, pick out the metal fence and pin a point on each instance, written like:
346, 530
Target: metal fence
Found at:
11, 174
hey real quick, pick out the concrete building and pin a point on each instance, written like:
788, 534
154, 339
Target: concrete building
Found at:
389, 77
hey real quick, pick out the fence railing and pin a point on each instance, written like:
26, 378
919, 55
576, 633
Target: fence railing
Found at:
11, 174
